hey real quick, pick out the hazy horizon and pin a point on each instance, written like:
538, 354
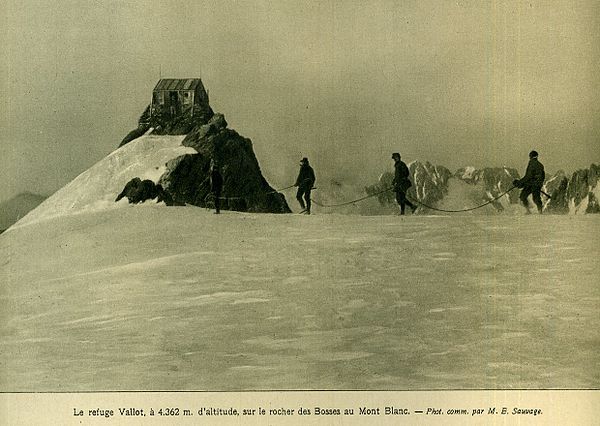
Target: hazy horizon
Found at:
345, 84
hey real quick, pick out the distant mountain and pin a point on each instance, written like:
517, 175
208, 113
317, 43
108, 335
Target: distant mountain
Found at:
579, 194
435, 186
17, 207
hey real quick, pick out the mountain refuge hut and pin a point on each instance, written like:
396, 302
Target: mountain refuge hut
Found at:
176, 97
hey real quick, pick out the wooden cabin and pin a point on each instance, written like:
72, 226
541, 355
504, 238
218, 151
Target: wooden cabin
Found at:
179, 95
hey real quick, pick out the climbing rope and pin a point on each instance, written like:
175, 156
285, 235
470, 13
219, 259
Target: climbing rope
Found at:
252, 196
349, 202
414, 201
370, 196
463, 210
283, 189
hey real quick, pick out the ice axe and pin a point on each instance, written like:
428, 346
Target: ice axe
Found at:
546, 194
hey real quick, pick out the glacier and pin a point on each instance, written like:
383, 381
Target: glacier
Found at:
176, 298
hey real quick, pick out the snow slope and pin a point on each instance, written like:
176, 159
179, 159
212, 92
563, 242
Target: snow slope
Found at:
97, 187
178, 298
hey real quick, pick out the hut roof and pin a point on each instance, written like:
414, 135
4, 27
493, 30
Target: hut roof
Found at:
178, 84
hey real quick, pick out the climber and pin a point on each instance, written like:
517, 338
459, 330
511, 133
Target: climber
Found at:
532, 182
305, 183
401, 183
216, 184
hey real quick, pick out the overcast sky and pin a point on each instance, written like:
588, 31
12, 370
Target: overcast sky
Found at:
343, 82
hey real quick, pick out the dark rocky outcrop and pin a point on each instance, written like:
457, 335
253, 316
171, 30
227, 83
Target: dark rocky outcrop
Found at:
244, 187
187, 181
163, 123
134, 134
138, 191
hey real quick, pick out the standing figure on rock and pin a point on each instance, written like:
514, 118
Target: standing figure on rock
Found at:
216, 184
401, 183
532, 182
305, 183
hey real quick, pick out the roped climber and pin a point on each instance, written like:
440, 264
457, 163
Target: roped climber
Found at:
532, 182
401, 183
305, 183
216, 185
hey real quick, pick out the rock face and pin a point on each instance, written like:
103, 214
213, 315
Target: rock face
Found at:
187, 181
429, 184
556, 187
580, 194
138, 191
244, 188
166, 124
494, 181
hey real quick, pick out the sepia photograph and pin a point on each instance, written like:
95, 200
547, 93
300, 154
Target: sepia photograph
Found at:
243, 196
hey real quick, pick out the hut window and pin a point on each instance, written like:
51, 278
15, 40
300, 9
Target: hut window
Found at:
187, 98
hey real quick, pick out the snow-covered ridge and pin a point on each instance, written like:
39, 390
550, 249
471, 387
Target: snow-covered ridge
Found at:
97, 187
